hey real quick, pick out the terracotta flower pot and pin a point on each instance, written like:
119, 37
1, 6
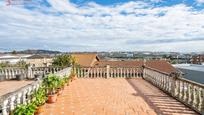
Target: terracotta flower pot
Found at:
39, 110
52, 98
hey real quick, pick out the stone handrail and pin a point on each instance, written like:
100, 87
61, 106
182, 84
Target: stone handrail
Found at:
186, 91
11, 72
9, 102
30, 72
106, 72
64, 72
44, 70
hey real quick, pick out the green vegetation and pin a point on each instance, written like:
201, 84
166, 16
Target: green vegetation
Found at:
25, 109
18, 64
39, 97
51, 82
62, 60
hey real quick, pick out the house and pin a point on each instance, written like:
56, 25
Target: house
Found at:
86, 60
40, 60
198, 59
160, 65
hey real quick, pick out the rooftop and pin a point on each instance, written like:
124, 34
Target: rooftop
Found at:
115, 97
160, 65
86, 59
12, 85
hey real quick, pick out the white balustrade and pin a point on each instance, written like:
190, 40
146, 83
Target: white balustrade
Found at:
106, 72
10, 101
188, 92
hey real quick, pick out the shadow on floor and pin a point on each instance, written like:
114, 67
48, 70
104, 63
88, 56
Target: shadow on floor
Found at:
158, 100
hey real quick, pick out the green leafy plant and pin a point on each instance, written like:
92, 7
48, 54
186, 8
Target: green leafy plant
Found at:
62, 60
51, 82
39, 97
23, 109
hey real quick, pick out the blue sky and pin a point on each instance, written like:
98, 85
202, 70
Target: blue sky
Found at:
103, 25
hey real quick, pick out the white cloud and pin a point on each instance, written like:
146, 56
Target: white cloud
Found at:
200, 1
95, 27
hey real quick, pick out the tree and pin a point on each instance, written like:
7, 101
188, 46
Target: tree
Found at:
21, 63
4, 64
62, 60
14, 52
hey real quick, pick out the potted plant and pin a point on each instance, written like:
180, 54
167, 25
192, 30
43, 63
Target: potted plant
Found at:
2, 77
59, 89
19, 77
40, 99
51, 83
24, 109
61, 85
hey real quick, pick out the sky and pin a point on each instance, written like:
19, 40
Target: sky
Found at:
102, 25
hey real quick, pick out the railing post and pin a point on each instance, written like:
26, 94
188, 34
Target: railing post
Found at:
107, 71
30, 74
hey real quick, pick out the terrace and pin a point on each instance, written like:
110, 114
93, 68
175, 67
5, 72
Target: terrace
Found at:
100, 90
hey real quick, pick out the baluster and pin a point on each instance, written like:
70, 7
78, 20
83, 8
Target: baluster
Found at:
202, 101
199, 102
183, 91
6, 74
115, 71
120, 72
12, 103
9, 75
188, 92
111, 71
162, 81
193, 97
126, 73
91, 72
103, 70
24, 96
177, 89
95, 72
82, 72
19, 95
4, 107
99, 72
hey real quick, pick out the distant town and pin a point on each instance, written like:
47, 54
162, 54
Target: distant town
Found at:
172, 57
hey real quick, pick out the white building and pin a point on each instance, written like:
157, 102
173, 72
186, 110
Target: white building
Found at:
13, 58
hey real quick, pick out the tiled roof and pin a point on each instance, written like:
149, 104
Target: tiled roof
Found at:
86, 59
160, 65
119, 63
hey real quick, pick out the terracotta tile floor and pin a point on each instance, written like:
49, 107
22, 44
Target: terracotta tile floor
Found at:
114, 97
12, 85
